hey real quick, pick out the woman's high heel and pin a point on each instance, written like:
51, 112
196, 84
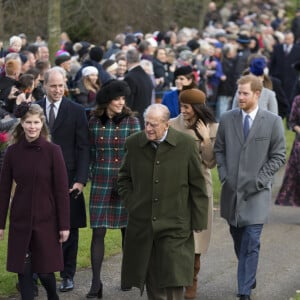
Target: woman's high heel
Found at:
98, 294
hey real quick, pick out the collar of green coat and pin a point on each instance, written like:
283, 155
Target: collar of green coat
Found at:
171, 138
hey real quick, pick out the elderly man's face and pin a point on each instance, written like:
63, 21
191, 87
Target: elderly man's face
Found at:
155, 127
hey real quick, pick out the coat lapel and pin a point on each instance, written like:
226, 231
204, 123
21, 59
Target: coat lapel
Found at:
61, 115
257, 124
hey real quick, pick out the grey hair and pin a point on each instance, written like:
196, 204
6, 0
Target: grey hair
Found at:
158, 109
132, 56
55, 69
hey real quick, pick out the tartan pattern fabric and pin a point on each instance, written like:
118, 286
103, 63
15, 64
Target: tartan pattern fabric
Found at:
106, 153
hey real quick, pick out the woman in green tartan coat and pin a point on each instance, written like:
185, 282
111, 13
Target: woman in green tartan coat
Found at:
110, 124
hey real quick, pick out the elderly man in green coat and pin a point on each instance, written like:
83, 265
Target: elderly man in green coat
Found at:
162, 186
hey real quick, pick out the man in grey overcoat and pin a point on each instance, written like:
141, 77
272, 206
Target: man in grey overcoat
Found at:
249, 148
164, 191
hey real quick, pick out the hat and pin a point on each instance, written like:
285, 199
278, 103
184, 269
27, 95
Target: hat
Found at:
86, 71
22, 36
192, 96
112, 89
23, 58
96, 54
81, 48
243, 39
185, 70
193, 44
130, 39
61, 52
61, 59
257, 66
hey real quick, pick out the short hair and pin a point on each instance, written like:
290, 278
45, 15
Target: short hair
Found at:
159, 109
255, 83
12, 67
53, 70
132, 56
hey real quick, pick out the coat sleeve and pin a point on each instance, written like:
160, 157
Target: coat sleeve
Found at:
197, 191
220, 152
277, 156
6, 180
272, 103
82, 146
60, 189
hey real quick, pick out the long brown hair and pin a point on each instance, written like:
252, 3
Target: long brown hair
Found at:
18, 131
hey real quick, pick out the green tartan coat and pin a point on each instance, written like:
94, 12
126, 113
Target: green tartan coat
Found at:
165, 194
107, 139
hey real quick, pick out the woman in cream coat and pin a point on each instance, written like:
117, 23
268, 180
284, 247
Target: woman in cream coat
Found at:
197, 120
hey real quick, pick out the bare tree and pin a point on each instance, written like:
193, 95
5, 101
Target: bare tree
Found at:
54, 28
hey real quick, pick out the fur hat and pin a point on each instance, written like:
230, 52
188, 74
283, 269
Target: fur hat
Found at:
111, 90
61, 59
86, 71
257, 66
185, 70
192, 96
96, 54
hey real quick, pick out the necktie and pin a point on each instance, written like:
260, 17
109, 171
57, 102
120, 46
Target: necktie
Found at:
246, 126
51, 116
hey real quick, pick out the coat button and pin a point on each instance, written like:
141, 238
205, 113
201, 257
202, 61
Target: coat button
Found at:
116, 160
154, 219
155, 199
101, 137
157, 162
116, 138
156, 181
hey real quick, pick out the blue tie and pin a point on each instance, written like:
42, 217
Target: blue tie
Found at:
246, 126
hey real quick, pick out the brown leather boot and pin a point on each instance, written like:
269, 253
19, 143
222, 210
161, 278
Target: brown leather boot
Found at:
191, 291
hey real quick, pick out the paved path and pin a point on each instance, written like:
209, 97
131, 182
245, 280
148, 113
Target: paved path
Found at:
278, 275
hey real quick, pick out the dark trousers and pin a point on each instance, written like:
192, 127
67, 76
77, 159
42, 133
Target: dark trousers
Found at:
246, 245
70, 249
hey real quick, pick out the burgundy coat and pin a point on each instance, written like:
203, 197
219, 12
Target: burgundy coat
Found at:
40, 205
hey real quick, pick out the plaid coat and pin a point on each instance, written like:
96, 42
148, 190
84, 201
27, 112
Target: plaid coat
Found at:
107, 138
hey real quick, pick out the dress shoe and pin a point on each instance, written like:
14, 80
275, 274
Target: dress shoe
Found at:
245, 297
66, 285
98, 294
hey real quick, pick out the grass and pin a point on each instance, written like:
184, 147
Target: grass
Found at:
112, 240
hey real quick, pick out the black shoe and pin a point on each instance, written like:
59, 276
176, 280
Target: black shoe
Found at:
66, 285
245, 297
253, 285
98, 294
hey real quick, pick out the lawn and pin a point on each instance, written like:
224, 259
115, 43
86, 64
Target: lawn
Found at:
112, 241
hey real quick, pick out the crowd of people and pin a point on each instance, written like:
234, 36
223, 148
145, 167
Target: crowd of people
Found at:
144, 118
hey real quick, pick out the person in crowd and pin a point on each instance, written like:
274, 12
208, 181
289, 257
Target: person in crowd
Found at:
38, 92
110, 124
147, 65
166, 200
281, 64
111, 67
64, 61
87, 87
43, 53
212, 17
122, 67
38, 168
8, 89
115, 47
69, 129
197, 120
267, 98
95, 56
243, 53
140, 85
163, 71
295, 26
25, 87
226, 87
256, 137
24, 41
289, 193
184, 77
15, 45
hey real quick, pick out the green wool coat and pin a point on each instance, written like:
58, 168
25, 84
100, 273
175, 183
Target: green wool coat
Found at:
165, 194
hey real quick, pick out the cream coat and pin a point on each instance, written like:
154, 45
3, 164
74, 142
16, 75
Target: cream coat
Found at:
207, 156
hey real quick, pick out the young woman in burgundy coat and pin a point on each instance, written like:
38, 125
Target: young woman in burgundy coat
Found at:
39, 210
